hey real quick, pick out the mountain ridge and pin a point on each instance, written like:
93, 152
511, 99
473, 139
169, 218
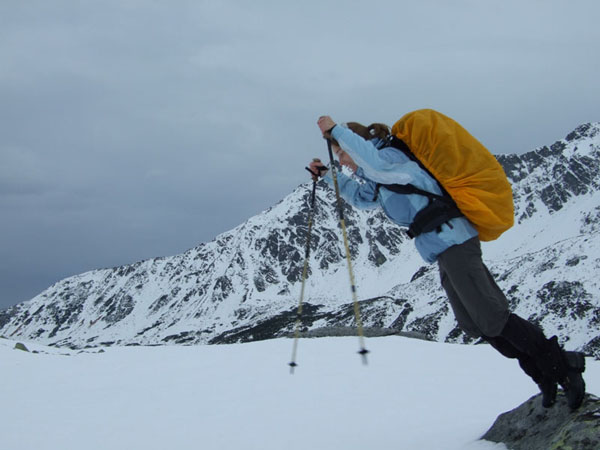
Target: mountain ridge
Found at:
248, 278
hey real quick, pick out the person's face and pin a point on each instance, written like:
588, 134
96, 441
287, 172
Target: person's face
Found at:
344, 158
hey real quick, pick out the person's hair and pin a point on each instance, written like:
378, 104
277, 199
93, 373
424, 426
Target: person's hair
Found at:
375, 130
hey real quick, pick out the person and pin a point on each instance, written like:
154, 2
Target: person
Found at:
479, 305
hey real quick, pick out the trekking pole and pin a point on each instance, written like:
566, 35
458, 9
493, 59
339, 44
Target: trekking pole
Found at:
311, 212
361, 338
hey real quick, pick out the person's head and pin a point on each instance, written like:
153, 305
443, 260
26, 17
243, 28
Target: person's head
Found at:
344, 158
375, 130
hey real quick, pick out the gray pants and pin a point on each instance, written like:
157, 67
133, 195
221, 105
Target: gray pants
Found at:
480, 307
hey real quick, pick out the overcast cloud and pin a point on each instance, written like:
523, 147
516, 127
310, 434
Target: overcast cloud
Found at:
132, 129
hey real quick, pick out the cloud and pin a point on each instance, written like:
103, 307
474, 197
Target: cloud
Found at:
131, 129
21, 173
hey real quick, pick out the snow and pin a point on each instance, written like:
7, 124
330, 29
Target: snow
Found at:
412, 394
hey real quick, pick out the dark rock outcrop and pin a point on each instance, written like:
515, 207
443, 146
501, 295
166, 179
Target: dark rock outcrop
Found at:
533, 427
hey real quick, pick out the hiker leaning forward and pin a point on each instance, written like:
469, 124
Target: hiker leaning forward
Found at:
480, 307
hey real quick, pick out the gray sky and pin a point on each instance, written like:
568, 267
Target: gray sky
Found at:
132, 129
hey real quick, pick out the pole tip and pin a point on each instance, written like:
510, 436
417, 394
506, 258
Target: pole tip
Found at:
292, 365
363, 353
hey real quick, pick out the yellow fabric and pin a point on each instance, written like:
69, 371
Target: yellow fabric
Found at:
467, 170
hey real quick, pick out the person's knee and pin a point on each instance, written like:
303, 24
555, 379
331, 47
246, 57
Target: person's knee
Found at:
492, 322
469, 328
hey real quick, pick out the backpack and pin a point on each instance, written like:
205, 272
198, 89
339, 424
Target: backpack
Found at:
472, 180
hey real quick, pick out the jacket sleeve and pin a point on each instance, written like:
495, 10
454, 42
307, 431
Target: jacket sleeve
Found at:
359, 195
366, 155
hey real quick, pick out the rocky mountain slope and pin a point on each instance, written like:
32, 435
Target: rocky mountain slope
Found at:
245, 284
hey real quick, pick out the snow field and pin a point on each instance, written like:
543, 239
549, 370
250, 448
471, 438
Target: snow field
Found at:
412, 394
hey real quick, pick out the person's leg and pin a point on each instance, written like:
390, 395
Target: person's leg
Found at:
471, 288
556, 365
461, 315
547, 386
469, 284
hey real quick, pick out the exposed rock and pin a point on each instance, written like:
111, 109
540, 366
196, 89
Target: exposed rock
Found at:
20, 346
352, 331
533, 427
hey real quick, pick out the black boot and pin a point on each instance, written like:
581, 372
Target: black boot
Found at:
566, 368
549, 389
555, 365
573, 384
547, 386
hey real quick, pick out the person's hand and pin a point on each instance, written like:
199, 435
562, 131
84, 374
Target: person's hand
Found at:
317, 169
325, 123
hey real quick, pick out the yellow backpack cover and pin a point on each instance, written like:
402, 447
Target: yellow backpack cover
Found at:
463, 166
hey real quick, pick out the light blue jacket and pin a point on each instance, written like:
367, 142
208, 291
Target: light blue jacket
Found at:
386, 165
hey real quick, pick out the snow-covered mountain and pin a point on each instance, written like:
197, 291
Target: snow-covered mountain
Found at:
245, 284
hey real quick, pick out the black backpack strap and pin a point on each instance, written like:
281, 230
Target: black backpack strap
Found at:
432, 217
409, 189
399, 144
